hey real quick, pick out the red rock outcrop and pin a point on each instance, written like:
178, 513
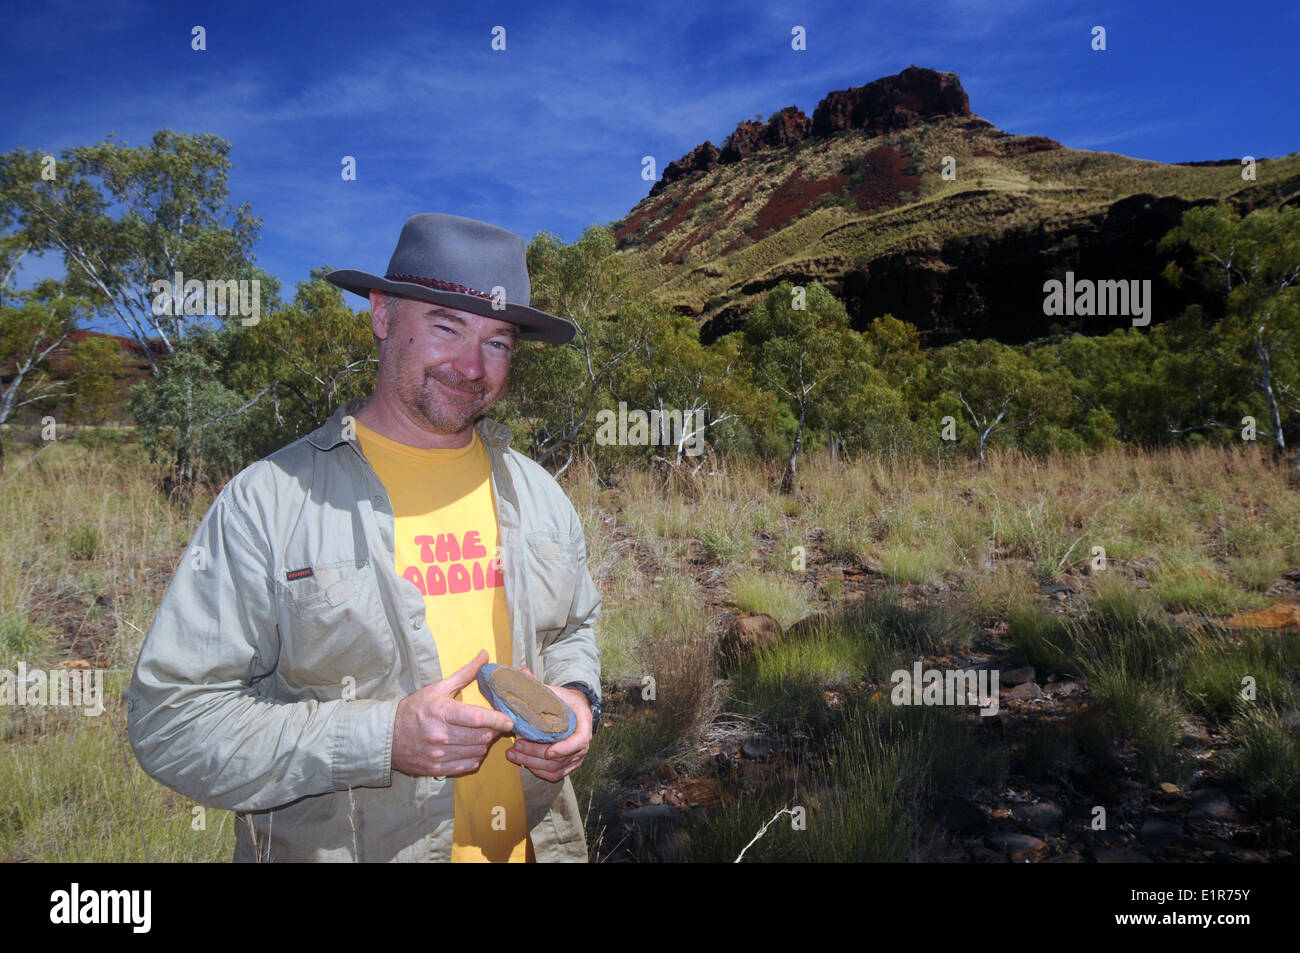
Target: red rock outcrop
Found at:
888, 104
892, 103
700, 159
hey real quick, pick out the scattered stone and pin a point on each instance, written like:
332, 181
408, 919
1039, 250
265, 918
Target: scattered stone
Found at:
1211, 844
1280, 615
1025, 692
953, 855
1016, 676
1242, 801
1160, 833
1063, 689
747, 633
757, 748
1019, 847
809, 625
960, 816
701, 792
982, 855
1120, 855
656, 827
652, 815
1212, 802
1043, 816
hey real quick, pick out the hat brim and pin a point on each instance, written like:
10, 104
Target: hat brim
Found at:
536, 325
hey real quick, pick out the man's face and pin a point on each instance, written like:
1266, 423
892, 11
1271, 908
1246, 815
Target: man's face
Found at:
445, 366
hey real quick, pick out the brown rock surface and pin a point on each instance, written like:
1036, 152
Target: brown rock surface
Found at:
747, 633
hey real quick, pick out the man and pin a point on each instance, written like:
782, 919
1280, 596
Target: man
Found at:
305, 662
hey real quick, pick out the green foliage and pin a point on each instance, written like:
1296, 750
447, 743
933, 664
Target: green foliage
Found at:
124, 218
306, 360
995, 391
189, 418
802, 347
625, 350
83, 541
38, 325
1254, 351
1268, 762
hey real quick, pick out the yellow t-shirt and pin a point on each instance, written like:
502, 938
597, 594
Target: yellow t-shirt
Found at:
446, 536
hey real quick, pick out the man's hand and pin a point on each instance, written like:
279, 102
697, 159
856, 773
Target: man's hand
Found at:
554, 762
436, 736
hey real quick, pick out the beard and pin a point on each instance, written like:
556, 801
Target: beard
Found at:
446, 413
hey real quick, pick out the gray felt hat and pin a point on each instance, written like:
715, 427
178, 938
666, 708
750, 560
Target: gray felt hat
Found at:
459, 263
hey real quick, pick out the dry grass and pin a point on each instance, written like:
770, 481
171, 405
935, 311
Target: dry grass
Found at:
1205, 531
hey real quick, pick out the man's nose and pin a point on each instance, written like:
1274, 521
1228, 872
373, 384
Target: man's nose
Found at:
468, 360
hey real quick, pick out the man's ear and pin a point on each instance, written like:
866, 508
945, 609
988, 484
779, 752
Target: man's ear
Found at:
380, 314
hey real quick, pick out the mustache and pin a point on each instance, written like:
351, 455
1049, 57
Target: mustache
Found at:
460, 383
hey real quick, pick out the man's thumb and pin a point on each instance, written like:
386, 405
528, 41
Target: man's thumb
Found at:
458, 679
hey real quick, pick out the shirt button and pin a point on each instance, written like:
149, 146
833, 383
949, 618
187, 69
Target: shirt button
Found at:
418, 622
377, 500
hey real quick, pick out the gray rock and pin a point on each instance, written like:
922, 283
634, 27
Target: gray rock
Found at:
1212, 802
757, 748
1016, 676
1063, 689
657, 828
1025, 692
1016, 846
1159, 833
1043, 816
1120, 855
960, 816
653, 815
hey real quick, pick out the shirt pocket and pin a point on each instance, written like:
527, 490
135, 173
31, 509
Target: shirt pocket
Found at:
337, 635
554, 564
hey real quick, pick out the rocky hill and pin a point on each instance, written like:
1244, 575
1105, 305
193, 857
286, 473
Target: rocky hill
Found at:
901, 200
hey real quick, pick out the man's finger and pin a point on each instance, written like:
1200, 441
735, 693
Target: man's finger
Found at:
547, 770
570, 745
473, 716
533, 749
458, 679
460, 735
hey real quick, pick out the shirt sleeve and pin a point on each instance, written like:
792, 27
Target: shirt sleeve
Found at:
198, 713
572, 656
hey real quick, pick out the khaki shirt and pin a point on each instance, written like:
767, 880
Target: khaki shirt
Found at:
276, 697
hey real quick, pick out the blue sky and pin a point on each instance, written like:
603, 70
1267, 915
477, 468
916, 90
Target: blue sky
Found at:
549, 134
